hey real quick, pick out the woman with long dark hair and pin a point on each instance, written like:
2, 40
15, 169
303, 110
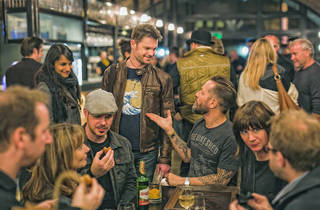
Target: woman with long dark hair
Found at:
57, 79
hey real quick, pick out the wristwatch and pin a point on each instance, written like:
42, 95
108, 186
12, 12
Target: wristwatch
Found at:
187, 181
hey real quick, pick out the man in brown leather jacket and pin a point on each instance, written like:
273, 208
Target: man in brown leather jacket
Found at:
140, 88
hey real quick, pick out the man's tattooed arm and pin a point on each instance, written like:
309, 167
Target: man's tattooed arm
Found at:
181, 147
222, 177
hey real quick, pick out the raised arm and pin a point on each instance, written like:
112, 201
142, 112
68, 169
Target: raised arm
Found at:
178, 144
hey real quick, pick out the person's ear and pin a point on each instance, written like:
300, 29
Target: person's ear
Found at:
35, 51
19, 137
85, 112
213, 103
281, 159
307, 53
133, 44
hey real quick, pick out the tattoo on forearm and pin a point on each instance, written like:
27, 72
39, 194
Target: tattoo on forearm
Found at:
181, 145
221, 177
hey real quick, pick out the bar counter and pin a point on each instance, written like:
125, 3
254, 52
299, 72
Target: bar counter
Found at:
216, 197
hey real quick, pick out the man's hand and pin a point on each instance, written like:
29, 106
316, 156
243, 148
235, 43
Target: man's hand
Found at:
164, 123
174, 180
235, 206
259, 202
164, 169
99, 166
88, 200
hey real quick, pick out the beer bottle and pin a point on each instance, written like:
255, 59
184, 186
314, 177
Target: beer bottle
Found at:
142, 188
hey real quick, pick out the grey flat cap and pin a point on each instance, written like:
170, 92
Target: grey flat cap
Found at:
100, 102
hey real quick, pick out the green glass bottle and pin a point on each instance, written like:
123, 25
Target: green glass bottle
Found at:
142, 188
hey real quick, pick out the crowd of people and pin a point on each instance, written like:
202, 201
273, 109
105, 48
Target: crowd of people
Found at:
216, 115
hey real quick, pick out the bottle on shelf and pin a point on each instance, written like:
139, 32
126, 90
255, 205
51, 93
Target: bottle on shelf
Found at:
142, 188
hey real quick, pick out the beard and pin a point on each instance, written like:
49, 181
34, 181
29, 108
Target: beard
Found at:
198, 109
140, 59
31, 164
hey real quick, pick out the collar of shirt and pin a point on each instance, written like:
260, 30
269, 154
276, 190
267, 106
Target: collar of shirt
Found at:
289, 187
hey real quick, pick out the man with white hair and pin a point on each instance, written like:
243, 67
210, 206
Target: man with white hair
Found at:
307, 75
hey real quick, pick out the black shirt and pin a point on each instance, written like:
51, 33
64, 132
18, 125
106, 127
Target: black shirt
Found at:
307, 84
22, 73
105, 181
103, 67
131, 109
266, 183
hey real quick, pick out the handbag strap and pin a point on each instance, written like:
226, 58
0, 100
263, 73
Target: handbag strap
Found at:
277, 76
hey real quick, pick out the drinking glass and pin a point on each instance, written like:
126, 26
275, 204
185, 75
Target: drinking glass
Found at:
186, 198
126, 206
199, 201
155, 194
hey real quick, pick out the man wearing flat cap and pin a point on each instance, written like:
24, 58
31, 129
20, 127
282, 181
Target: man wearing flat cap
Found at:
197, 66
113, 169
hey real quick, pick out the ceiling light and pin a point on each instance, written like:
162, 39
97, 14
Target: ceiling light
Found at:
171, 27
180, 30
159, 23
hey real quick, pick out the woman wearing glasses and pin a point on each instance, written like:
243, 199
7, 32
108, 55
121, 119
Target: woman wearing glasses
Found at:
251, 129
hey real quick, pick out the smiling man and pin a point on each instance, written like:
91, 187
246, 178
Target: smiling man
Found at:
139, 88
211, 144
307, 75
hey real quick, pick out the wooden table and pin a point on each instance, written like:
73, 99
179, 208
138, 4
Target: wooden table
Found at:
217, 197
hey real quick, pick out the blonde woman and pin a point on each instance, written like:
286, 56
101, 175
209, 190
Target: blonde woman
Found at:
67, 152
257, 80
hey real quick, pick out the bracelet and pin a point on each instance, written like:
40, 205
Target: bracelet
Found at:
187, 181
172, 135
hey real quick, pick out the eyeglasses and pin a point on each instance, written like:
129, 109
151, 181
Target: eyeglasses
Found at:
268, 149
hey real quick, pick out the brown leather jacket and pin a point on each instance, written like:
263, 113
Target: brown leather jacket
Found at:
157, 97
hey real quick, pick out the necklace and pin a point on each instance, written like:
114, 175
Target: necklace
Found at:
134, 66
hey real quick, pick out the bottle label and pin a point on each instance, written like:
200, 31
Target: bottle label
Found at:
144, 197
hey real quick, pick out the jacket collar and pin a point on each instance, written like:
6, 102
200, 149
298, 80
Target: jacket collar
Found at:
7, 183
114, 142
200, 50
139, 72
311, 180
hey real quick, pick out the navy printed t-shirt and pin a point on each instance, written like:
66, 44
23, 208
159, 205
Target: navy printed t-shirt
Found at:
131, 109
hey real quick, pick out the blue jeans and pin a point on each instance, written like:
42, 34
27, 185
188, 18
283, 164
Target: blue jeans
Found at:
150, 159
